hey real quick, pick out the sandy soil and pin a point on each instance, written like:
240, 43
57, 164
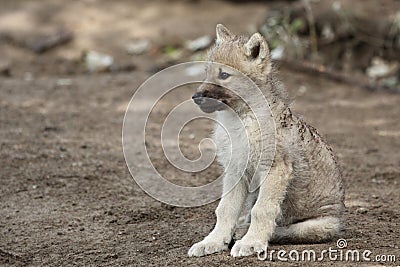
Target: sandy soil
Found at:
67, 197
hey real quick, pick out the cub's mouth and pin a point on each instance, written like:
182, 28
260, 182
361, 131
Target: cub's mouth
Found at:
212, 107
208, 105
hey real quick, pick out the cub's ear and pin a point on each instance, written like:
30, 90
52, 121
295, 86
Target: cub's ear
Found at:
257, 47
223, 34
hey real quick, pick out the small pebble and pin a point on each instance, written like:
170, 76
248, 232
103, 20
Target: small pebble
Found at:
199, 43
64, 82
362, 210
97, 62
138, 47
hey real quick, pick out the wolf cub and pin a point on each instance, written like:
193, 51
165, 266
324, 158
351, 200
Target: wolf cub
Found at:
302, 196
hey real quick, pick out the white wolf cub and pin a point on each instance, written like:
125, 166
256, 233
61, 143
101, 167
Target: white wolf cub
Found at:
302, 198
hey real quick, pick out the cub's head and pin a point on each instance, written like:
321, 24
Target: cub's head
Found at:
230, 58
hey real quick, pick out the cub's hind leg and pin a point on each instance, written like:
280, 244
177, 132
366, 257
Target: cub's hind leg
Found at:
310, 231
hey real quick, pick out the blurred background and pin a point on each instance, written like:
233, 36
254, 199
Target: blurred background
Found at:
360, 38
69, 68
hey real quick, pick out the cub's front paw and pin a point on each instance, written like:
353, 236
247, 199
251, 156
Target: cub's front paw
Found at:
247, 247
206, 247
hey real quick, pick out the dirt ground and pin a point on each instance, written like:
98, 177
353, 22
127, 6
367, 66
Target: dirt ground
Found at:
66, 196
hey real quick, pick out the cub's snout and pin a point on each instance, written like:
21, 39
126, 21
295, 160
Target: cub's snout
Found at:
198, 98
211, 97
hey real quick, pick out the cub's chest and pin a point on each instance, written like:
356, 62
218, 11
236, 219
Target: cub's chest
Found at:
237, 141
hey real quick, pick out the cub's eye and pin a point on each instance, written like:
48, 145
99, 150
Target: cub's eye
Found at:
223, 75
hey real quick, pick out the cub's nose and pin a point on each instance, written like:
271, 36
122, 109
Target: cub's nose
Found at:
198, 98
